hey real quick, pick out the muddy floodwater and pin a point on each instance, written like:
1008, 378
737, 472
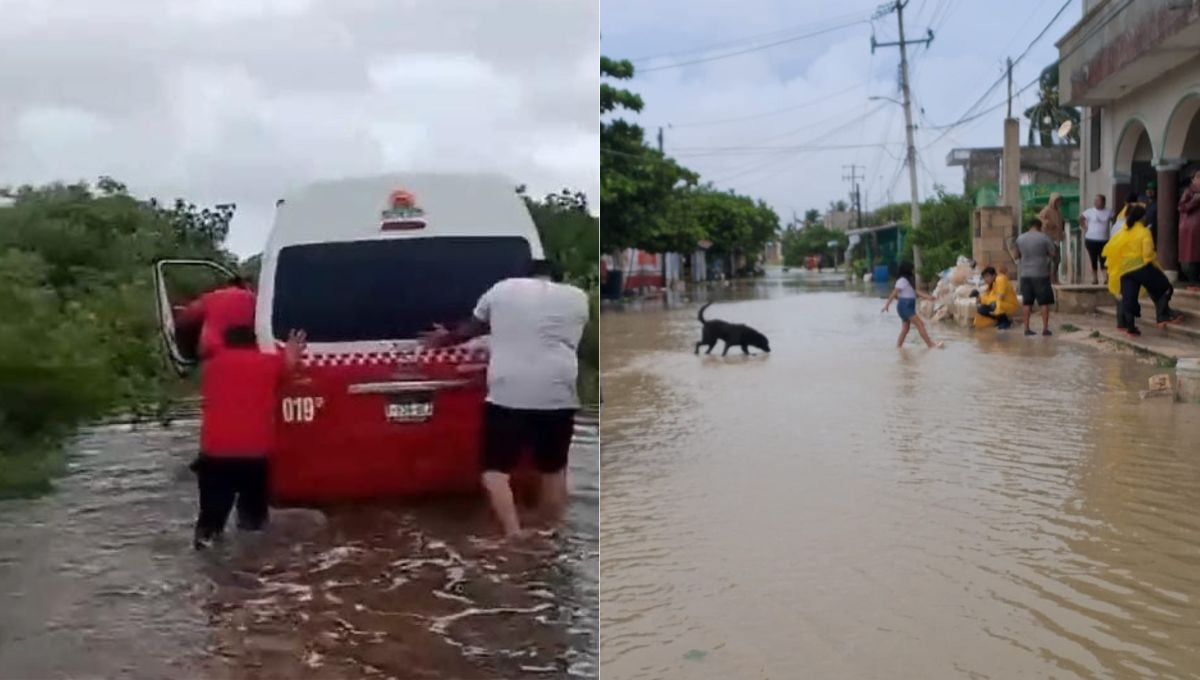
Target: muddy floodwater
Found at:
99, 580
1003, 508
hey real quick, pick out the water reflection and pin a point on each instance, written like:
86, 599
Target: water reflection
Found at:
1007, 507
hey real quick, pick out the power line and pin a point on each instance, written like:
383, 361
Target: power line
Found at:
757, 48
697, 152
785, 154
988, 93
1083, 40
736, 42
767, 114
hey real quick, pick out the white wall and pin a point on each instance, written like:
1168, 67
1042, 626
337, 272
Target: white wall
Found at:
1152, 105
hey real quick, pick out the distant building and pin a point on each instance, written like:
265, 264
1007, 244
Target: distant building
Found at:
1039, 165
1134, 68
840, 220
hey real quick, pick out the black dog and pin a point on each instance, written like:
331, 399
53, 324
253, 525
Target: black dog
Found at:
731, 334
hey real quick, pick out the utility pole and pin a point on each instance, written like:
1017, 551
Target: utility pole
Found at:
660, 139
898, 7
1010, 179
1009, 90
853, 178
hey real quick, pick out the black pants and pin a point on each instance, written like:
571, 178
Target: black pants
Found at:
1191, 272
989, 310
1093, 249
1155, 283
221, 481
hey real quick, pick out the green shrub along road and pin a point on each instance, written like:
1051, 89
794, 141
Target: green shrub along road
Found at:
78, 333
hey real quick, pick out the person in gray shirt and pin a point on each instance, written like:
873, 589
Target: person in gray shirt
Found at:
1035, 254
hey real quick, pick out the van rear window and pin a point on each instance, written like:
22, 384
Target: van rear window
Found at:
388, 289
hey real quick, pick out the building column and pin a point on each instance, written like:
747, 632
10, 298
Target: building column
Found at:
1168, 216
1122, 181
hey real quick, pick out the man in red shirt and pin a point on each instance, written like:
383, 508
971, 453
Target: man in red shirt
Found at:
240, 389
219, 310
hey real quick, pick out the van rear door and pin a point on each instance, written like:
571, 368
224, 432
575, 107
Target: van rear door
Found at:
176, 283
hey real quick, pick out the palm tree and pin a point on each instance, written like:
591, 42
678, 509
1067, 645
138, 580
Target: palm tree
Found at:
1048, 114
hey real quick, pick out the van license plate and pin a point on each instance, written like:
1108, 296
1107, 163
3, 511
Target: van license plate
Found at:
402, 411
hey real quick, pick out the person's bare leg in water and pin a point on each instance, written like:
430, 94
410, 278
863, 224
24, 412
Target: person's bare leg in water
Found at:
500, 495
904, 326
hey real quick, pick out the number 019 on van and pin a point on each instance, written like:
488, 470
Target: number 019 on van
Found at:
364, 266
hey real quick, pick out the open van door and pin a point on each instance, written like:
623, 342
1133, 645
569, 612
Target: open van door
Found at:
177, 283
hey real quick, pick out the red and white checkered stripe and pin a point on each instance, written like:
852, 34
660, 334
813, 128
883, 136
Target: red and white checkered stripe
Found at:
452, 355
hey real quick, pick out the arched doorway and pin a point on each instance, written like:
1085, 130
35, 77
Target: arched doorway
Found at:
1133, 167
1180, 157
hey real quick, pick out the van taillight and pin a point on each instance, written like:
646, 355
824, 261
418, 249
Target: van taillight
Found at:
402, 225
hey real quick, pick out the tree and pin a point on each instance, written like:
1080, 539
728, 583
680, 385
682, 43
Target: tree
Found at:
736, 225
812, 240
945, 233
838, 206
1048, 113
811, 217
637, 183
79, 336
568, 233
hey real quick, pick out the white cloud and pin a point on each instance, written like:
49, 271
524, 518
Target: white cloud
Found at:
823, 83
240, 100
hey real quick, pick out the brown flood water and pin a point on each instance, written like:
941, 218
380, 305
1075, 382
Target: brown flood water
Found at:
1003, 508
98, 580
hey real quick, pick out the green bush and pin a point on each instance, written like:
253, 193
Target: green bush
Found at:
79, 337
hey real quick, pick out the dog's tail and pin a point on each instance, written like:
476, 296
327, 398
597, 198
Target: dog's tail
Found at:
700, 316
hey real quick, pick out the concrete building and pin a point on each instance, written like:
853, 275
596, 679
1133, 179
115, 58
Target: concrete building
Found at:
839, 220
1134, 69
1039, 165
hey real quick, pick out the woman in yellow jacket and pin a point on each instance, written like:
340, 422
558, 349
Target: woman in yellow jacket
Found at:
998, 302
1133, 265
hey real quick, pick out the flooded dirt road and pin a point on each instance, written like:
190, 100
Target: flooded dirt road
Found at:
99, 580
1003, 508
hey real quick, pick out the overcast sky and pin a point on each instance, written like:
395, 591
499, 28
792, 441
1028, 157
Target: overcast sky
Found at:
240, 100
814, 91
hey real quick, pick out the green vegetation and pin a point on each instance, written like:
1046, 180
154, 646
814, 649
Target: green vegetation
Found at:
1048, 113
79, 339
812, 239
1069, 328
653, 203
945, 232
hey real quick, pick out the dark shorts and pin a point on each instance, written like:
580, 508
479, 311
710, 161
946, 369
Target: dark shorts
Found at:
509, 432
906, 308
1036, 289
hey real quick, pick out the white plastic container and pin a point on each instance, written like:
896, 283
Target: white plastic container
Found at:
1187, 380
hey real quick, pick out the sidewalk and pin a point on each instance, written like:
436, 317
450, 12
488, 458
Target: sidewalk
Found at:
1153, 341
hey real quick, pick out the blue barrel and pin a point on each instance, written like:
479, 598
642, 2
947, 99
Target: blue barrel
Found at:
881, 273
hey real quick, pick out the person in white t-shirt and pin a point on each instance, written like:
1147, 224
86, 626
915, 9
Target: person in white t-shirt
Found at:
1095, 222
905, 293
535, 325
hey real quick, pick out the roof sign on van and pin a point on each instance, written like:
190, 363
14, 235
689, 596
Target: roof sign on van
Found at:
403, 213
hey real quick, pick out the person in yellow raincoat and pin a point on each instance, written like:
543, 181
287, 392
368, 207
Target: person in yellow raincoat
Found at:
1133, 266
998, 302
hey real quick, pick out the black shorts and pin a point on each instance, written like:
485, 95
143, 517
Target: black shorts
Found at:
509, 432
1036, 289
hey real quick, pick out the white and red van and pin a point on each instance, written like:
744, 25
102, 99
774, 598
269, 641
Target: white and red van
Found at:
364, 266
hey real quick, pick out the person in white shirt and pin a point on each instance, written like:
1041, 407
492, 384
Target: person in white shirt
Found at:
1095, 222
535, 325
906, 294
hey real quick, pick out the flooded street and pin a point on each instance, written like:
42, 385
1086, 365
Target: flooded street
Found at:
1003, 508
99, 580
